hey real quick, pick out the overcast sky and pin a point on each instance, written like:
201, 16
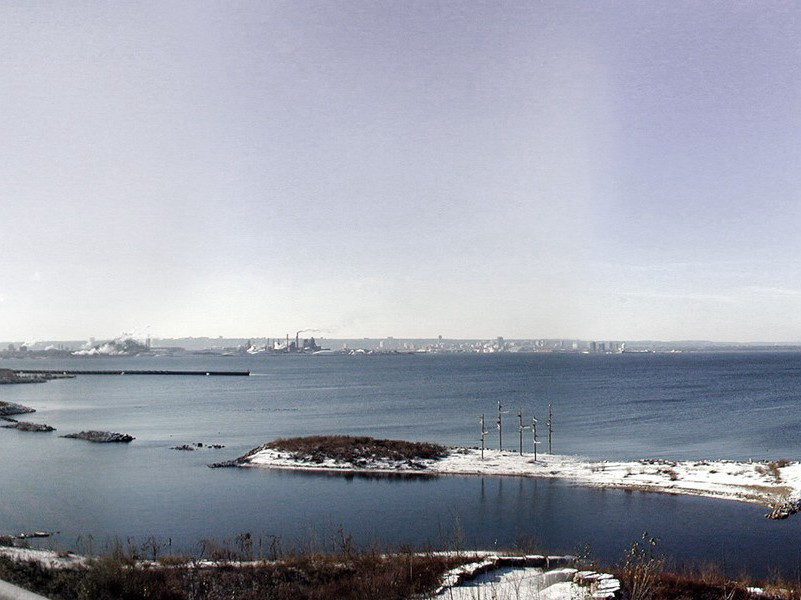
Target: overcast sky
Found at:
607, 170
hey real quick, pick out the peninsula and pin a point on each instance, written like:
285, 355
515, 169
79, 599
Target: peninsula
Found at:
774, 484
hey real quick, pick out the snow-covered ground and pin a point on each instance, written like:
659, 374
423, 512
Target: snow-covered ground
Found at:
767, 483
48, 559
509, 583
492, 577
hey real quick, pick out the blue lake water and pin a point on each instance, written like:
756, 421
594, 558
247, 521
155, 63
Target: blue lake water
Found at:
682, 406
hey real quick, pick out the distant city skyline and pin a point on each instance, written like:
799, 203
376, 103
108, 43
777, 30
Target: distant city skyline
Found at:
259, 343
558, 169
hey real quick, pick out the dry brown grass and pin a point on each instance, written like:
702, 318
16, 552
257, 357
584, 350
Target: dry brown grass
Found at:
677, 586
644, 577
347, 575
772, 468
709, 582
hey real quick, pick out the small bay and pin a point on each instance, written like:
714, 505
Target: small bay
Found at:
676, 406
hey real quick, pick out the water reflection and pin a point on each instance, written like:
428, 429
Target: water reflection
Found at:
554, 516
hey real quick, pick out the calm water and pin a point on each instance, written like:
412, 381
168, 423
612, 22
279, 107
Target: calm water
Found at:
682, 406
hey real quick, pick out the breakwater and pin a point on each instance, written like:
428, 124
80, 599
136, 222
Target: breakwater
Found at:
71, 372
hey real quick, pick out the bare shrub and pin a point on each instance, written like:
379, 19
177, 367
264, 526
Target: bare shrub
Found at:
641, 568
671, 473
772, 468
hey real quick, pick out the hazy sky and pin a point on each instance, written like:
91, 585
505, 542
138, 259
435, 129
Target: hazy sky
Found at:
609, 170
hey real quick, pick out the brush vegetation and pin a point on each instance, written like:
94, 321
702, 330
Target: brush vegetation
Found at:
346, 575
252, 569
644, 576
355, 449
703, 583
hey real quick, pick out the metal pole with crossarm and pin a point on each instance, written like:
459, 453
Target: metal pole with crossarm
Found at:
484, 433
500, 428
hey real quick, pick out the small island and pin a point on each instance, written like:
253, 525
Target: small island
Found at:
27, 426
101, 437
774, 484
9, 408
344, 453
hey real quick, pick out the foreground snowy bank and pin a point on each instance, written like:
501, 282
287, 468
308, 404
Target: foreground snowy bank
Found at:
478, 574
775, 484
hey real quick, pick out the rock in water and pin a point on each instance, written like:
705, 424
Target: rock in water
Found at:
26, 426
784, 509
101, 437
225, 464
9, 408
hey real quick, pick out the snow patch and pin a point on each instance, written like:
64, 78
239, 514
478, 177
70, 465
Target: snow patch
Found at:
517, 578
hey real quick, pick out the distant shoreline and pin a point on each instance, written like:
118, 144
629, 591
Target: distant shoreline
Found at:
127, 347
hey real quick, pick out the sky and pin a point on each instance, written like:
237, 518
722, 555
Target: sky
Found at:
594, 170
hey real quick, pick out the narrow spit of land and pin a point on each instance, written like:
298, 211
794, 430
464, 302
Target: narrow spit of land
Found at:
57, 373
774, 484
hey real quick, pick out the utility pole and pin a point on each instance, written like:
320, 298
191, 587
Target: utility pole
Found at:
520, 426
534, 432
484, 433
550, 427
500, 428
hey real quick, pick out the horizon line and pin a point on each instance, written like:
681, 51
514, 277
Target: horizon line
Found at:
100, 339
